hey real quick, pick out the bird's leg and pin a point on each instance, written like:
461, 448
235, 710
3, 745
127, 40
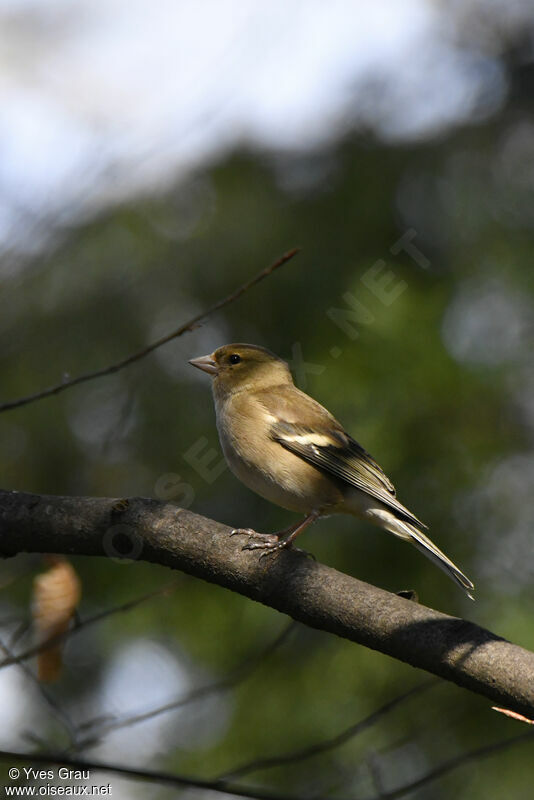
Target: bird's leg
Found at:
270, 543
266, 538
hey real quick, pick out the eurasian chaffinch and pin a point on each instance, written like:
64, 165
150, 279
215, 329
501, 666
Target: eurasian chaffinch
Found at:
285, 446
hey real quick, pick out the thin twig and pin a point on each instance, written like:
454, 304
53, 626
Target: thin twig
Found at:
373, 766
236, 676
60, 637
153, 776
145, 351
244, 791
327, 744
513, 715
20, 631
29, 569
58, 712
453, 764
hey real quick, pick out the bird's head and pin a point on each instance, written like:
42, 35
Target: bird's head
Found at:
235, 367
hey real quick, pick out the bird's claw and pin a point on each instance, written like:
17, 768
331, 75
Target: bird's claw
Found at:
250, 532
270, 544
267, 542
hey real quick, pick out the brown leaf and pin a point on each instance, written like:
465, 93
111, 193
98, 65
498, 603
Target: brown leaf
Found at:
56, 594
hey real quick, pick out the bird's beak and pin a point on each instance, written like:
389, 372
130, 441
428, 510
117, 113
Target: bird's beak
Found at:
205, 363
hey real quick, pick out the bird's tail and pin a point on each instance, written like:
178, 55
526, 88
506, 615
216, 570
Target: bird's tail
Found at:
408, 532
426, 546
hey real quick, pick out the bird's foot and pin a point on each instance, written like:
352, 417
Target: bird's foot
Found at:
268, 543
271, 544
250, 532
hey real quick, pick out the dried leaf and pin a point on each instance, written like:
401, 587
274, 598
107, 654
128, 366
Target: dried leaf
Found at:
56, 594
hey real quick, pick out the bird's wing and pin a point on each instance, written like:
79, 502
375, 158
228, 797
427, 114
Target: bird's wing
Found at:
332, 450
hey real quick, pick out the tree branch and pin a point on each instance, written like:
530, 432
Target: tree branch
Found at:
34, 649
145, 351
161, 533
325, 745
99, 729
455, 763
149, 775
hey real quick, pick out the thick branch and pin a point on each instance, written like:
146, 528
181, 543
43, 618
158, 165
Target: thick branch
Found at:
311, 593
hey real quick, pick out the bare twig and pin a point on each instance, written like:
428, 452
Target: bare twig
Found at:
326, 744
145, 351
152, 776
513, 715
224, 787
236, 676
85, 623
9, 580
373, 765
455, 763
21, 630
57, 711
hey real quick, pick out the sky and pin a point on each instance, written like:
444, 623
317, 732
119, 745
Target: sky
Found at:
105, 100
109, 99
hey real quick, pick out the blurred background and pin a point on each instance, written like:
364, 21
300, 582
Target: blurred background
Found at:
153, 157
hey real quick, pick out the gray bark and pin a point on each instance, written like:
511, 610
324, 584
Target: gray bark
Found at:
161, 533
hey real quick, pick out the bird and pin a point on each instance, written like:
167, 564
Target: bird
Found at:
289, 449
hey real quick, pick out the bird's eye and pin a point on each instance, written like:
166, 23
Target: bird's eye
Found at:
234, 358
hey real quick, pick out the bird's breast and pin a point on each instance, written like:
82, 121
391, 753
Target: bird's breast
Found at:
266, 467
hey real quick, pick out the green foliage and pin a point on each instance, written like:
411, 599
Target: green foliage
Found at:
440, 407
